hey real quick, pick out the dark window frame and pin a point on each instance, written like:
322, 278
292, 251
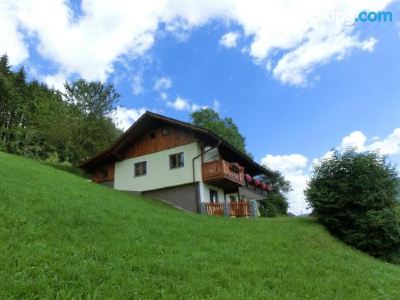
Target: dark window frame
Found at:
179, 163
213, 192
142, 170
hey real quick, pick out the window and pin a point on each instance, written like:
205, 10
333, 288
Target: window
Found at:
152, 134
165, 132
213, 196
210, 154
140, 168
176, 160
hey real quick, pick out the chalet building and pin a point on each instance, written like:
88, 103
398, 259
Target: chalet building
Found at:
177, 162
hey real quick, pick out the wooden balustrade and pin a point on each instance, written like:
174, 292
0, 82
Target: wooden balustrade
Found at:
239, 209
221, 170
236, 209
215, 209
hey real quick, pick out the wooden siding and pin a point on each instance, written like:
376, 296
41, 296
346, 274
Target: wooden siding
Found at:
147, 145
105, 173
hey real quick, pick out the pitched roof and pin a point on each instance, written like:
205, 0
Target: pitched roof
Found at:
115, 151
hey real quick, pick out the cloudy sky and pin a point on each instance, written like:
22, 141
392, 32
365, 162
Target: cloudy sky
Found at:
298, 77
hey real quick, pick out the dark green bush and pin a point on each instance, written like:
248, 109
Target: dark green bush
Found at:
354, 196
267, 209
275, 205
280, 203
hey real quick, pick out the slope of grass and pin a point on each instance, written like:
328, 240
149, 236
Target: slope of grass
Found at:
62, 236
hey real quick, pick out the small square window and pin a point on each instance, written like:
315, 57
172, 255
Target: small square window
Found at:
152, 135
140, 169
176, 160
165, 132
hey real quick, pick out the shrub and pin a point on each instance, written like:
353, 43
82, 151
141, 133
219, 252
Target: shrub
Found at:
267, 209
280, 203
354, 196
53, 158
275, 205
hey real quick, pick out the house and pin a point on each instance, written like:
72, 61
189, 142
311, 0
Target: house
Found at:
180, 163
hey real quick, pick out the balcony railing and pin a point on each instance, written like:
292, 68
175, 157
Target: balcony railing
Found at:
216, 209
222, 170
236, 209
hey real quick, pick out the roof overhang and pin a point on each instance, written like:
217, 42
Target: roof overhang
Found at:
150, 120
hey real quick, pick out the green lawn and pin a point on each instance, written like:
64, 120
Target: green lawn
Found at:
62, 236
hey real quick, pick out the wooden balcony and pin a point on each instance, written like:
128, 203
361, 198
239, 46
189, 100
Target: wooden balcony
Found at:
223, 174
233, 209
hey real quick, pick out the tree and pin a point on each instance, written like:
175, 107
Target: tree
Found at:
277, 196
225, 127
39, 122
91, 104
354, 196
4, 65
267, 209
91, 98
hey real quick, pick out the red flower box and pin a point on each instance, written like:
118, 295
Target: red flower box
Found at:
248, 178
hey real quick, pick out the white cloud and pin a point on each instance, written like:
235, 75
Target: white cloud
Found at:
163, 83
90, 44
387, 146
164, 96
179, 104
55, 81
369, 45
297, 168
229, 40
295, 66
195, 107
184, 104
137, 84
216, 105
125, 117
289, 37
356, 139
286, 163
11, 40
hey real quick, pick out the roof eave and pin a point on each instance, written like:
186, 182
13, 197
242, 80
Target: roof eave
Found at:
108, 153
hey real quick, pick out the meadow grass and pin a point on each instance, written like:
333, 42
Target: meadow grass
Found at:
62, 236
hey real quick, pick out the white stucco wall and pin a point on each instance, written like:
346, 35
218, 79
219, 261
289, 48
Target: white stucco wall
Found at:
159, 175
205, 192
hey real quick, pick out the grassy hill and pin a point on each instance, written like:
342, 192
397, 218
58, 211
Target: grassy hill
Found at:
62, 236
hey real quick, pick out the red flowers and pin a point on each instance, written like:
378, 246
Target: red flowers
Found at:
257, 183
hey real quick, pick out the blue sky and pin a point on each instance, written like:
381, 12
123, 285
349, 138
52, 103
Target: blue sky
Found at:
296, 91
362, 92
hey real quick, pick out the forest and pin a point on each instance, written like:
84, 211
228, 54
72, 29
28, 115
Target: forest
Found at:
60, 127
